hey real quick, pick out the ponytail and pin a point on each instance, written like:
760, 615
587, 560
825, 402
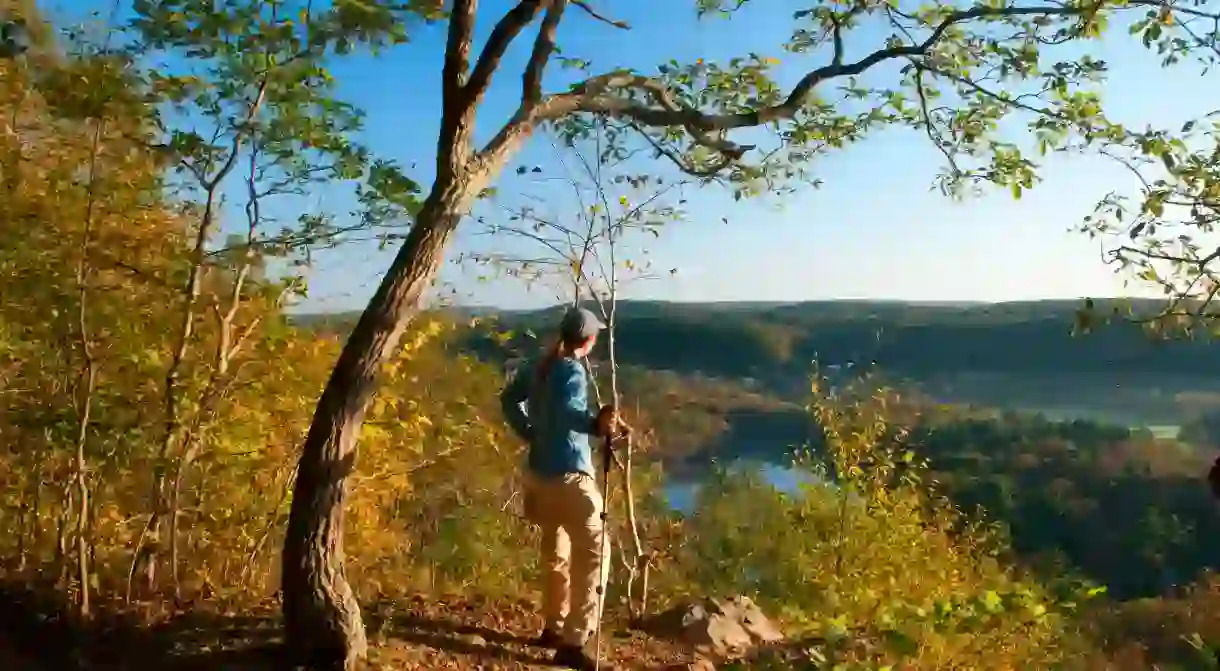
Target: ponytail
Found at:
557, 350
547, 362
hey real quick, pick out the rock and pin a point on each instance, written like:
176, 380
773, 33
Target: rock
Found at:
725, 626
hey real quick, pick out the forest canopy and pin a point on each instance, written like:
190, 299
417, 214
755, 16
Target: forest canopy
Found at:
149, 361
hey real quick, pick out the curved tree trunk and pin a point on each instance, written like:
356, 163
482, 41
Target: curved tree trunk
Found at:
323, 627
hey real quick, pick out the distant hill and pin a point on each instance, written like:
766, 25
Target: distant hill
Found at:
777, 342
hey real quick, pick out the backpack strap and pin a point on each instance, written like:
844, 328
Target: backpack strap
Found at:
540, 399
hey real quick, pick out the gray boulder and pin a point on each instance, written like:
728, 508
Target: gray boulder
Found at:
725, 627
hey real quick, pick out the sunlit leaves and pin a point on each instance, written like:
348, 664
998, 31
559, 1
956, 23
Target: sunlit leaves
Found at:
388, 196
94, 86
1159, 233
868, 561
258, 72
967, 74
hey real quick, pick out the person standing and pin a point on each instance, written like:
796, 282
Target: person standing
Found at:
561, 493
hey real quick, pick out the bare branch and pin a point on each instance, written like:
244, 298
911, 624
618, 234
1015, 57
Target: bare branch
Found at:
836, 32
544, 46
1011, 101
930, 127
588, 9
679, 161
1199, 262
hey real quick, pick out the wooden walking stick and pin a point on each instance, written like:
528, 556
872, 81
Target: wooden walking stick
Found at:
602, 577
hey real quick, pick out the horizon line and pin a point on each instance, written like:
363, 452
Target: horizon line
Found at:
739, 302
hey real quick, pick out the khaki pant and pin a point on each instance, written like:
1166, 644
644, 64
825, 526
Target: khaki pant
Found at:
575, 559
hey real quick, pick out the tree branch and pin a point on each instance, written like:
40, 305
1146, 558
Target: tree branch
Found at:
502, 36
544, 46
1200, 263
1010, 101
586, 97
836, 33
929, 126
592, 96
588, 9
604, 94
678, 160
457, 50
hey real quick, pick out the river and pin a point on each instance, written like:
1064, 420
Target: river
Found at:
682, 494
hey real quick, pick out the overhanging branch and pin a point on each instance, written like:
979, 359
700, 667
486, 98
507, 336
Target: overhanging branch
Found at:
679, 161
611, 95
597, 95
506, 30
591, 97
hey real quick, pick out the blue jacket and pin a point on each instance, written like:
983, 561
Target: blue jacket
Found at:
557, 421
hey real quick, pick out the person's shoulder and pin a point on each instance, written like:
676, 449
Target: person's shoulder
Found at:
570, 368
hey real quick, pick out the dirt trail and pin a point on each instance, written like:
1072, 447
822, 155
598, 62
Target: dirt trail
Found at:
419, 632
475, 633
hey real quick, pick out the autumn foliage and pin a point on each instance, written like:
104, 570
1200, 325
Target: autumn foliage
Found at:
97, 256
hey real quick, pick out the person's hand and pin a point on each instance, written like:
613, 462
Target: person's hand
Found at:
623, 430
610, 424
607, 421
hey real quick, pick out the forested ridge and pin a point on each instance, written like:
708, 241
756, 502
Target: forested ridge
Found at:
904, 338
198, 475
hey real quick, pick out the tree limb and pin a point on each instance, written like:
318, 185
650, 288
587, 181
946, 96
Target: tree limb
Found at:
591, 96
1199, 262
544, 46
457, 50
928, 124
836, 33
607, 95
502, 36
588, 9
679, 161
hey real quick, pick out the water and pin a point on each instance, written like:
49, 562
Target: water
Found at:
681, 494
1164, 431
1159, 429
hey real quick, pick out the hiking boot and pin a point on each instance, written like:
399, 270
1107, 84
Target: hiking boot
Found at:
549, 638
575, 657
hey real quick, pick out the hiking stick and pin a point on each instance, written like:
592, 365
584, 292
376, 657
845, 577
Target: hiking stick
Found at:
602, 573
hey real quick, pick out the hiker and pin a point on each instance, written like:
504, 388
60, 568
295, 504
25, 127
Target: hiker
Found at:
561, 494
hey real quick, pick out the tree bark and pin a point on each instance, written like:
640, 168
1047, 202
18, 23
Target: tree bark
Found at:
323, 627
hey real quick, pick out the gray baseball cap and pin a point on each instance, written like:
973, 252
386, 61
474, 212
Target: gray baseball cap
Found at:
579, 324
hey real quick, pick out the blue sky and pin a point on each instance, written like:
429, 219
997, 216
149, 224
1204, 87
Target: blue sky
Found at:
874, 230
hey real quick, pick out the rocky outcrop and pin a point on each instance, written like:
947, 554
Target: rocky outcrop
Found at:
724, 627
